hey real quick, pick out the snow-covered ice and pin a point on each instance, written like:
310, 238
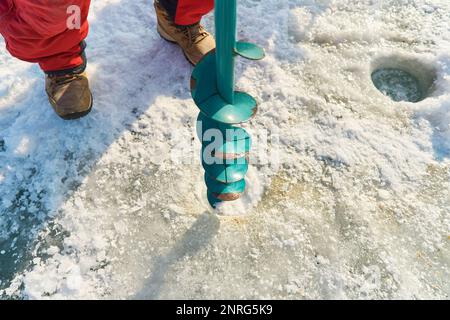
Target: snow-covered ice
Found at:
358, 206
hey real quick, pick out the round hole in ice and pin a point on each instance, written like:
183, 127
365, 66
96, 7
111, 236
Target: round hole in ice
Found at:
403, 78
397, 84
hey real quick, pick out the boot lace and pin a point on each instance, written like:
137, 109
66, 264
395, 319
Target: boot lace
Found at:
195, 33
60, 80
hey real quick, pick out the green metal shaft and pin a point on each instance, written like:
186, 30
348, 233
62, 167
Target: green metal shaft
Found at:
225, 19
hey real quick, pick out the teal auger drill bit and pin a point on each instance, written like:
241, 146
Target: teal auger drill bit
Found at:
225, 145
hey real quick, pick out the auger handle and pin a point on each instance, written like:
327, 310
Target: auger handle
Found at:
225, 20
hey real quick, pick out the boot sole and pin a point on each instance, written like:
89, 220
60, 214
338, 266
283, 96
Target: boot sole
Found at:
78, 115
169, 39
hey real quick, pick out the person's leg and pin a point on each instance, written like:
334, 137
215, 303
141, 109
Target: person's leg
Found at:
187, 12
38, 31
179, 22
52, 33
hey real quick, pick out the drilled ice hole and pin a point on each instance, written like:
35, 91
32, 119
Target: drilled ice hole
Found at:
403, 78
397, 84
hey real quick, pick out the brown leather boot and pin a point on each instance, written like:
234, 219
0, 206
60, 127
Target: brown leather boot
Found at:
194, 40
69, 95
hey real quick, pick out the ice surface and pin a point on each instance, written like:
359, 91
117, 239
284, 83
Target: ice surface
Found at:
113, 205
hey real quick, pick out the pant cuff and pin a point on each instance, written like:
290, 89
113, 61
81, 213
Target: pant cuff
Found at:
75, 70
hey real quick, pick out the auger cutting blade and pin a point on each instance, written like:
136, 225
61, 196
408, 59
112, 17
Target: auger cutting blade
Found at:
249, 51
222, 140
225, 192
227, 173
206, 95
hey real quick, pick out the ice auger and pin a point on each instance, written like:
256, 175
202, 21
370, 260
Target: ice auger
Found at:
225, 145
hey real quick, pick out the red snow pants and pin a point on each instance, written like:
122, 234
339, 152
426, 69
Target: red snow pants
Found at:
38, 31
186, 12
45, 32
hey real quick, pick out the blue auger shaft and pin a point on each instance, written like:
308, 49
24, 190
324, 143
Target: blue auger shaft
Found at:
225, 20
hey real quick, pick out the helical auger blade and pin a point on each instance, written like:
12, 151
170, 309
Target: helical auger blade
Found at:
225, 145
